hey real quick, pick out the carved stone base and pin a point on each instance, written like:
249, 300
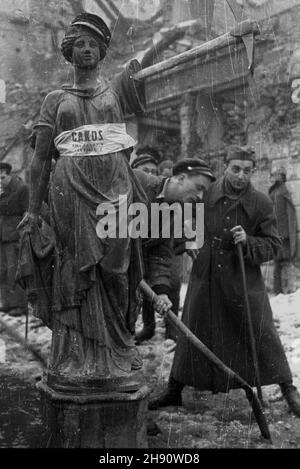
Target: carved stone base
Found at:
104, 420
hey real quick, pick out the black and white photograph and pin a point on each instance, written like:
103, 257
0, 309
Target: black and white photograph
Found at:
149, 228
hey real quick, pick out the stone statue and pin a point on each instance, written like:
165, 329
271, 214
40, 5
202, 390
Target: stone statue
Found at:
82, 286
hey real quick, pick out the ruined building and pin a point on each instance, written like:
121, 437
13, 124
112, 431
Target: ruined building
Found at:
197, 110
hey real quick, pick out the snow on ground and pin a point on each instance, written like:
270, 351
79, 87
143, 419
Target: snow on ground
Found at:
225, 420
286, 310
204, 421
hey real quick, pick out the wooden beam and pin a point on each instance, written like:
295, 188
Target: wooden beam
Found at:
205, 49
212, 75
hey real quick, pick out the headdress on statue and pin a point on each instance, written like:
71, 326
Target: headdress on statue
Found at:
192, 167
243, 153
95, 26
5, 167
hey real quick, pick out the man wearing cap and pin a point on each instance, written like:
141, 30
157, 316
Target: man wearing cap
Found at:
147, 160
191, 179
287, 228
13, 204
235, 212
159, 257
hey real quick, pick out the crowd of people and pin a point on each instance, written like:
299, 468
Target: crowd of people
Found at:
85, 287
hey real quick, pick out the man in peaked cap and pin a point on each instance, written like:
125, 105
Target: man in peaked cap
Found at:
235, 212
189, 179
146, 160
193, 177
193, 166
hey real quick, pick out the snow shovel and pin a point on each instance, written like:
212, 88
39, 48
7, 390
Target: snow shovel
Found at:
249, 322
187, 333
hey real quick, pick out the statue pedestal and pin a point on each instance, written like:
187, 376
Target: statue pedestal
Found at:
90, 420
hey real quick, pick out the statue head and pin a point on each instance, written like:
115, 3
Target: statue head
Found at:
88, 30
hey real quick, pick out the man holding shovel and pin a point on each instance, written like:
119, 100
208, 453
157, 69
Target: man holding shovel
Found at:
215, 307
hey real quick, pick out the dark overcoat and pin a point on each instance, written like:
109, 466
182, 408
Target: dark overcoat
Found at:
214, 304
158, 253
13, 204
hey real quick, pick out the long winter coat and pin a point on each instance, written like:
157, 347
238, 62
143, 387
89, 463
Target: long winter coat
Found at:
214, 305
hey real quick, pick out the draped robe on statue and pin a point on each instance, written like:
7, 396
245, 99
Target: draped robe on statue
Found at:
93, 303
